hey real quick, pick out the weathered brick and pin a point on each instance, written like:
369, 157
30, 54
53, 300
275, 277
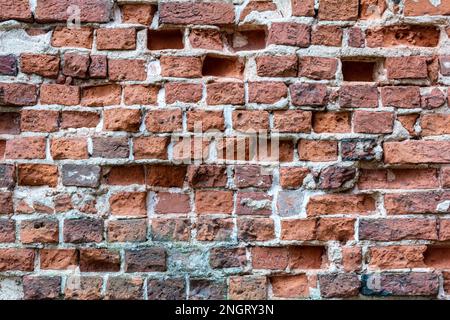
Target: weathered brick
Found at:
290, 34
276, 66
95, 260
83, 230
37, 175
39, 120
146, 260
121, 119
126, 69
308, 94
340, 204
41, 287
196, 13
45, 65
18, 94
128, 204
181, 67
110, 147
68, 37
26, 148
57, 11
69, 148
81, 175
139, 13
59, 259
317, 68
8, 65
401, 284
123, 175
15, 10
79, 119
417, 152
39, 231
124, 288
397, 229
133, 230
60, 94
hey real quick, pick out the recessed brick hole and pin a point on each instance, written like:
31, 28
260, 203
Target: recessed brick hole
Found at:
437, 257
229, 67
165, 39
248, 40
358, 70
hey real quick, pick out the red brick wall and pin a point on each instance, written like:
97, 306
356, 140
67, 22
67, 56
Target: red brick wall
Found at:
101, 197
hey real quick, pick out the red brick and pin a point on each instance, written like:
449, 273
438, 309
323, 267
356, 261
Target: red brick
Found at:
196, 13
290, 286
277, 66
401, 97
326, 35
122, 119
164, 120
171, 229
298, 229
26, 148
17, 259
128, 203
337, 229
37, 175
255, 229
317, 68
373, 122
60, 94
290, 34
138, 13
417, 152
95, 260
124, 288
150, 147
69, 148
133, 230
206, 39
116, 39
57, 10
250, 120
98, 67
124, 175
266, 92
338, 10
223, 66
7, 231
145, 260
435, 124
18, 94
415, 203
39, 120
172, 203
76, 65
100, 96
166, 175
83, 288
413, 67
292, 121
83, 230
398, 229
181, 67
302, 8
398, 179
183, 92
45, 65
76, 38
403, 35
423, 7
79, 119
397, 257
318, 150
39, 231
214, 202
207, 176
308, 94
248, 287
214, 229
340, 204
358, 96
257, 6
205, 120
59, 259
334, 122
220, 258
124, 69
225, 93
351, 259
292, 177
15, 10
372, 9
